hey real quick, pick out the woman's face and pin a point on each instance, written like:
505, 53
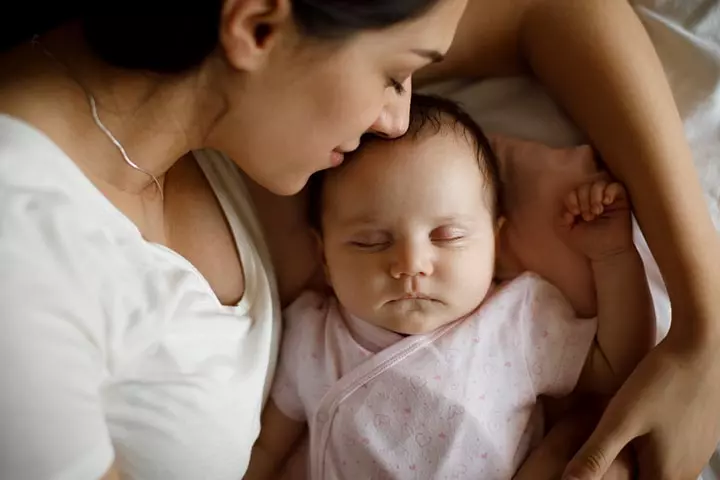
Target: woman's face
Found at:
304, 102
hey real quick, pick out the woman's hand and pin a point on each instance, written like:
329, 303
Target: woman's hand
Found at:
671, 405
571, 419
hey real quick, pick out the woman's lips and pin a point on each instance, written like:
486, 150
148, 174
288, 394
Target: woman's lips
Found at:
336, 158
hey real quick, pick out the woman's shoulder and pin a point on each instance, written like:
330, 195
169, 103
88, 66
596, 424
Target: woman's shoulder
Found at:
46, 203
48, 207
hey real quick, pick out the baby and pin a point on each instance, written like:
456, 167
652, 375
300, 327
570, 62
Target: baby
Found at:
419, 365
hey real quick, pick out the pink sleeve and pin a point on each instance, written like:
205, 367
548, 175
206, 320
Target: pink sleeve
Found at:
556, 342
285, 391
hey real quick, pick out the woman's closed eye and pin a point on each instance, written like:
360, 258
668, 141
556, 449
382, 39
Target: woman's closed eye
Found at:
397, 86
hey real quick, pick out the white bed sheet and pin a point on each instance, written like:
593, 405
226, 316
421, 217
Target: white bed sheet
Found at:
686, 34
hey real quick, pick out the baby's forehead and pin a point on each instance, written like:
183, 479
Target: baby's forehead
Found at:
442, 141
439, 171
438, 146
425, 157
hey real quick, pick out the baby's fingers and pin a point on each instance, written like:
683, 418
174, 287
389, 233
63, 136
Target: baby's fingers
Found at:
583, 194
597, 196
613, 193
572, 204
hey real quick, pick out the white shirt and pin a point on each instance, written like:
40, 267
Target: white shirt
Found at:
114, 348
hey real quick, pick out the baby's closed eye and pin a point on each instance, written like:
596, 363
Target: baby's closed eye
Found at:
371, 240
447, 233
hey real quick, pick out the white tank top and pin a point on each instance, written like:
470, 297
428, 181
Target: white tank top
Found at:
116, 349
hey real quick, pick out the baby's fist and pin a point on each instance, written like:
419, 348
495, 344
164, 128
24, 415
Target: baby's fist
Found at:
597, 220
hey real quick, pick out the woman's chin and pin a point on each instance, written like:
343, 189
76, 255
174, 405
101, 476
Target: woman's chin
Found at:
285, 187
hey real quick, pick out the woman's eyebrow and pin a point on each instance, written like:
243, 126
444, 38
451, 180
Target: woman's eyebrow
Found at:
433, 55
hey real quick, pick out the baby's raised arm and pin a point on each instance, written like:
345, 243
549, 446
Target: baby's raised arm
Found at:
598, 224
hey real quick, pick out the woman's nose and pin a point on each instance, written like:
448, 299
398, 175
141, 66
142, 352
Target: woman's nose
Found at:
412, 260
395, 115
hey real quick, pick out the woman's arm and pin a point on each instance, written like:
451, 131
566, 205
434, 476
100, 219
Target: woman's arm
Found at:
597, 60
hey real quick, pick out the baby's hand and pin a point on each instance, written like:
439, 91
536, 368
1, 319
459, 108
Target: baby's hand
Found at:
597, 220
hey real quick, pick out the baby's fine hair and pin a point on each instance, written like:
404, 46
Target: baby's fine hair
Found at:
428, 114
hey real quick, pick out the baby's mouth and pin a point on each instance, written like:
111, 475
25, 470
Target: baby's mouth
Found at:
415, 296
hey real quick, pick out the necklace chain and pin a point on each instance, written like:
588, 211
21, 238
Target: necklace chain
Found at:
96, 118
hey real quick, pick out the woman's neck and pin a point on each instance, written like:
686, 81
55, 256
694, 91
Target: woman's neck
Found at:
157, 119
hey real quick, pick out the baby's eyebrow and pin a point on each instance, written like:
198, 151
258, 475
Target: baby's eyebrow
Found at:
363, 220
457, 218
369, 220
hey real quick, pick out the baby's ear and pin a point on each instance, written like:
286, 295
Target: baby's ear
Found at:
500, 236
320, 254
499, 224
507, 265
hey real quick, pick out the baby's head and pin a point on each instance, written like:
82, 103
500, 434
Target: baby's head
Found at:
408, 225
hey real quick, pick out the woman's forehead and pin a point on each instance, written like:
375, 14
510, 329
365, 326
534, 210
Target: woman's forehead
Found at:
428, 36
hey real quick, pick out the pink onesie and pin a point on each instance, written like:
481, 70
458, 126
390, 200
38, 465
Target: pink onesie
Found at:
459, 402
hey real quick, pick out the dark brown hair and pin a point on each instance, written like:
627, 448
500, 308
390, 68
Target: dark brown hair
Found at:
138, 35
164, 36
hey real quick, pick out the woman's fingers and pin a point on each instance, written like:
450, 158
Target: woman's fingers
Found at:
612, 434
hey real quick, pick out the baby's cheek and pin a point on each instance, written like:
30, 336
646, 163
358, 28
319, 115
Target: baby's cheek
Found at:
467, 282
359, 288
475, 265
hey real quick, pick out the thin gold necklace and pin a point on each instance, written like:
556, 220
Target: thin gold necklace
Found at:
96, 118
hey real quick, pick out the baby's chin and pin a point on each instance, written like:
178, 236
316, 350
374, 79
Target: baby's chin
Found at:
417, 316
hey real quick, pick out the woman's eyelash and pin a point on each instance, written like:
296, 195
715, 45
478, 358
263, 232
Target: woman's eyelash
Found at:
398, 86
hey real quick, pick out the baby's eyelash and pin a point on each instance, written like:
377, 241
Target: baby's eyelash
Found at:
370, 246
447, 234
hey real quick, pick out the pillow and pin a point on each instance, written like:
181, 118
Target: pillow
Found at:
536, 179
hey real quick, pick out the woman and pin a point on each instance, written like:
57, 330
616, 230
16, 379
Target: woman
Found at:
139, 314
109, 335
